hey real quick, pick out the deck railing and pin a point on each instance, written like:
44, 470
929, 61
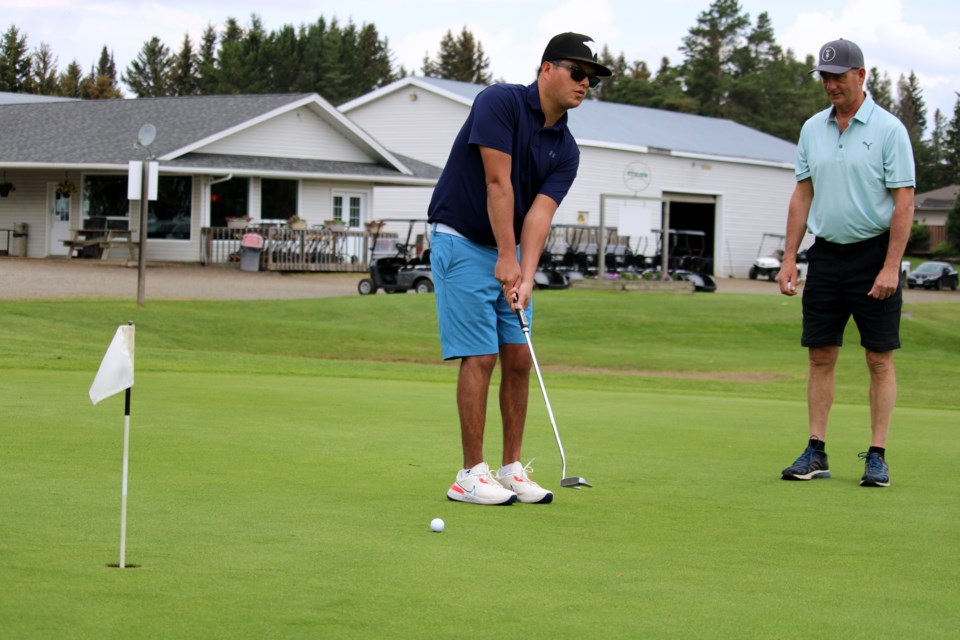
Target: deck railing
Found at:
285, 249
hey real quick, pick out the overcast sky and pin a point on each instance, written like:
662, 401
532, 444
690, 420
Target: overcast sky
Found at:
896, 36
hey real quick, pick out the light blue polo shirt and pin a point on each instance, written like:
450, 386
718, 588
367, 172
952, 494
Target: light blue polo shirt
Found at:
853, 172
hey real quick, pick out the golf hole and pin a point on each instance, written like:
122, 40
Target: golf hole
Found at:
116, 565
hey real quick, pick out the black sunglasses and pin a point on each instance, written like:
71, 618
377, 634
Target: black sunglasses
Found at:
577, 73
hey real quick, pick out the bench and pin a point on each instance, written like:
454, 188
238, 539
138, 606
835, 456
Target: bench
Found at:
102, 240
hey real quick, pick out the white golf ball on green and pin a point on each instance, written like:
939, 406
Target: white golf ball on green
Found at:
436, 525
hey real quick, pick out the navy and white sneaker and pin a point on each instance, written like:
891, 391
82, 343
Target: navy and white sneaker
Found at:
875, 473
811, 464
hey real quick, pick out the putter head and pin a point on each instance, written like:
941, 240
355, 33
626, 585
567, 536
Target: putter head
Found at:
574, 482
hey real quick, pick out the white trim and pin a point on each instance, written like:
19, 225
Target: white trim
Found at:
732, 159
410, 81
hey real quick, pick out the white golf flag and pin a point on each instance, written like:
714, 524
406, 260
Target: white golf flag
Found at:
116, 370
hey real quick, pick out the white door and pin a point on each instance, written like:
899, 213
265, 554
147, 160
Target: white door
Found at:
59, 221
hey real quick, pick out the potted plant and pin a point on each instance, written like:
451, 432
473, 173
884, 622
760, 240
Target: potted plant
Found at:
373, 226
238, 222
334, 224
296, 222
6, 188
65, 188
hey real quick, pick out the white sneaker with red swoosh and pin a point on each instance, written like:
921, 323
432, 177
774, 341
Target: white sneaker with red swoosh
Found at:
478, 486
516, 478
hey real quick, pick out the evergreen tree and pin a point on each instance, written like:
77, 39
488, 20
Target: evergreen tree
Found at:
460, 58
149, 76
286, 59
951, 150
68, 83
912, 112
372, 64
880, 89
15, 62
101, 83
628, 84
43, 71
207, 71
939, 171
184, 71
711, 50
669, 88
230, 60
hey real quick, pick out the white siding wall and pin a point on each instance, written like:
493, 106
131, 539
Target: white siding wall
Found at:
423, 128
297, 134
401, 202
751, 200
29, 204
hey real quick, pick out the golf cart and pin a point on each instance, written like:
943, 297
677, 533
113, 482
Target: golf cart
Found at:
768, 266
687, 259
399, 258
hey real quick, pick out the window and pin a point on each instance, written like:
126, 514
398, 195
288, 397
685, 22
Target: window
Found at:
230, 199
105, 203
278, 198
168, 217
349, 208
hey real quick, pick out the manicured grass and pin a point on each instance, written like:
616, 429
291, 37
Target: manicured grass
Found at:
287, 458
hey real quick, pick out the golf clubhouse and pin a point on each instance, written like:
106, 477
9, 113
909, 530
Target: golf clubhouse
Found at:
224, 160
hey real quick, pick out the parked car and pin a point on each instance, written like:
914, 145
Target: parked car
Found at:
933, 275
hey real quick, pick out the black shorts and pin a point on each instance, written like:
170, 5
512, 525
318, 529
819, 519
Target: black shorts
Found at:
839, 276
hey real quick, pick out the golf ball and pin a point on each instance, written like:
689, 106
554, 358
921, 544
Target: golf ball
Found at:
436, 525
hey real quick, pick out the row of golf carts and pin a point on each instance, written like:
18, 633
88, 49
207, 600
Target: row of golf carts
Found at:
400, 258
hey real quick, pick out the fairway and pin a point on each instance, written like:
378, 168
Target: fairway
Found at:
287, 458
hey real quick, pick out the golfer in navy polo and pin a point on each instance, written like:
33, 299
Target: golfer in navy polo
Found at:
509, 169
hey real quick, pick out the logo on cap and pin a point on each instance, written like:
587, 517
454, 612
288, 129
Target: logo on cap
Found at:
590, 44
828, 54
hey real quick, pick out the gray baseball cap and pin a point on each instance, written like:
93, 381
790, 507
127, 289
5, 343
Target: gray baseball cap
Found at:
839, 56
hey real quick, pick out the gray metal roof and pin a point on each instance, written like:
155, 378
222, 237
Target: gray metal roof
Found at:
103, 132
609, 123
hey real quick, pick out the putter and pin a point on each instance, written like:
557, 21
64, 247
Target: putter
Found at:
574, 482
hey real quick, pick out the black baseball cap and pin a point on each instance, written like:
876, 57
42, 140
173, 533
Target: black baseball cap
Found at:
839, 56
576, 47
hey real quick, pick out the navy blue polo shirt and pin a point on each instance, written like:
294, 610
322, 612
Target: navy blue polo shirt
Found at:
508, 118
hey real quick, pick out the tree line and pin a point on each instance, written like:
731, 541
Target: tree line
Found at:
732, 68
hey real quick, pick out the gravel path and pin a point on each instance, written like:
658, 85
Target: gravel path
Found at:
25, 278
37, 278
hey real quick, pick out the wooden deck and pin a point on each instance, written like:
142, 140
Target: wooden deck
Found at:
313, 249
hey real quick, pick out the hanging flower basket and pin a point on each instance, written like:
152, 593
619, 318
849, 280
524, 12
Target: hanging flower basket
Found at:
335, 225
238, 222
296, 223
373, 226
65, 188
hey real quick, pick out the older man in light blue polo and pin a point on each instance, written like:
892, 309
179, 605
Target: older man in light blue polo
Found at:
854, 193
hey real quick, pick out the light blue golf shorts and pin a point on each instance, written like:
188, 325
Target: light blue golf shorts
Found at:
472, 312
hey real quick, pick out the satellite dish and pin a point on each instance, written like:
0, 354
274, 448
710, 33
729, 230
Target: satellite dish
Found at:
147, 134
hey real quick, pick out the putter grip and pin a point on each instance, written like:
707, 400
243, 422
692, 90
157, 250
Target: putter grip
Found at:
523, 320
521, 316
